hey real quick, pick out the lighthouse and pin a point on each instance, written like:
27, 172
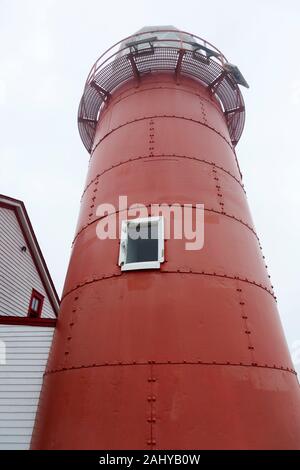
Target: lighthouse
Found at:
166, 341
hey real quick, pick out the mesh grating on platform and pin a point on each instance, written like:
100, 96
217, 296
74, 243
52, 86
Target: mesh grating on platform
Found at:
117, 69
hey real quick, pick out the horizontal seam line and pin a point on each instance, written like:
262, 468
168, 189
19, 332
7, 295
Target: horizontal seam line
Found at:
165, 271
158, 116
130, 160
182, 89
148, 205
170, 363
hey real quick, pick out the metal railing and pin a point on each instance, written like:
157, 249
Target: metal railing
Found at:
153, 51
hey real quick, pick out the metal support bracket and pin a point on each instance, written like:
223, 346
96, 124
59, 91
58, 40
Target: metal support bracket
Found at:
134, 46
181, 54
135, 70
103, 93
213, 86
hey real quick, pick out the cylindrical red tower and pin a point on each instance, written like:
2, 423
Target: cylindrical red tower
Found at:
187, 351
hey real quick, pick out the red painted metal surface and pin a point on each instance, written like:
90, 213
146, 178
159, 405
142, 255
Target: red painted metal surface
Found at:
189, 356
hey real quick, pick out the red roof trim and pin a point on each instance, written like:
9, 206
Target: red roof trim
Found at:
19, 208
14, 320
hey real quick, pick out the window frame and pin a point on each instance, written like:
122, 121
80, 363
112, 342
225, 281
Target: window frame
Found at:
159, 220
35, 295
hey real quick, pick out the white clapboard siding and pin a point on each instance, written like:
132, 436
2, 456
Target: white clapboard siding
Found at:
18, 273
27, 350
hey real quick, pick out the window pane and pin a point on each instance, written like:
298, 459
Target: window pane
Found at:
142, 244
35, 304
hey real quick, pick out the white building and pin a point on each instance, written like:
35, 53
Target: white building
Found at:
28, 311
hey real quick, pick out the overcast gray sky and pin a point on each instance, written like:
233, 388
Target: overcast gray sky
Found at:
46, 50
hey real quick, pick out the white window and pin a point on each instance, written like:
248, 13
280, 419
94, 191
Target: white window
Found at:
142, 243
35, 303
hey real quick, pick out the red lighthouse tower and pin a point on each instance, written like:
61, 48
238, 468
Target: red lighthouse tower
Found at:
157, 346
